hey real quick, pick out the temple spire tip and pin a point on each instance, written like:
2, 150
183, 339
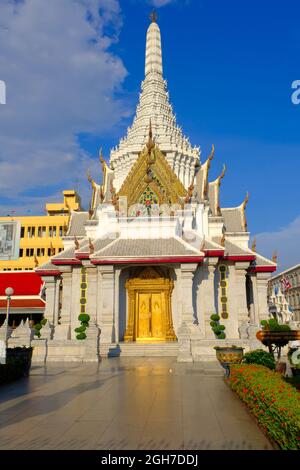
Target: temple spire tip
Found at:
153, 16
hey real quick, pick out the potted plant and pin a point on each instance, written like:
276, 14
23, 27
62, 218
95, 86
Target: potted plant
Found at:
21, 358
227, 355
275, 335
294, 360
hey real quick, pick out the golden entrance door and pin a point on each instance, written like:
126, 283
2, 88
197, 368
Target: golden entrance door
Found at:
149, 308
150, 317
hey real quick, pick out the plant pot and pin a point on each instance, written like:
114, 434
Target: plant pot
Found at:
295, 371
279, 338
228, 355
22, 356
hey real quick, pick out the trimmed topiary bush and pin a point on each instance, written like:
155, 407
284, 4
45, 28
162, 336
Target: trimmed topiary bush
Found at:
39, 326
261, 357
216, 327
84, 318
273, 325
274, 403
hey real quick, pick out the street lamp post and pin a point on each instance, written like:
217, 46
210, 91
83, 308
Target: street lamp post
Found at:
8, 292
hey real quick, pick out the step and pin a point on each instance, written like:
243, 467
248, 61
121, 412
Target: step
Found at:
141, 350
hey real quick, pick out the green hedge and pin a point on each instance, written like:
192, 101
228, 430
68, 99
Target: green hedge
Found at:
274, 403
261, 357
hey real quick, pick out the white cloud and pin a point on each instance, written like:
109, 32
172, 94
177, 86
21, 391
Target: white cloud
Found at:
61, 80
160, 3
286, 241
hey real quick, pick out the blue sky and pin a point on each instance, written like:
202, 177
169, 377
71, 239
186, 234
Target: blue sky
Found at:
229, 66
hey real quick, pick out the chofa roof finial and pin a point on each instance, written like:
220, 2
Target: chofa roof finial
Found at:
150, 143
153, 16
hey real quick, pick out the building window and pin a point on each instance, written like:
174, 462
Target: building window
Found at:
61, 230
22, 232
21, 253
29, 252
41, 252
30, 232
52, 231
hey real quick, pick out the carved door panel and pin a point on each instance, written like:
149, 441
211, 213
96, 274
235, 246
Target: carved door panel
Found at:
157, 316
143, 316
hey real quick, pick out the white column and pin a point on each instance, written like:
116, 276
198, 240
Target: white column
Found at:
75, 299
262, 295
187, 276
207, 296
91, 294
50, 307
106, 300
116, 302
63, 331
241, 296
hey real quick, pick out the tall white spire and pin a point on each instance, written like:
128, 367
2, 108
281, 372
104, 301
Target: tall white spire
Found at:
154, 104
153, 62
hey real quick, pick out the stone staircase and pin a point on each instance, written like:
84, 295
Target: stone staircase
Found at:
140, 350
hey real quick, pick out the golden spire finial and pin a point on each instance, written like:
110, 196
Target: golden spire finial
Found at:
76, 243
153, 16
212, 153
222, 242
253, 248
202, 247
246, 200
150, 143
223, 172
91, 247
88, 174
275, 257
36, 261
52, 249
101, 155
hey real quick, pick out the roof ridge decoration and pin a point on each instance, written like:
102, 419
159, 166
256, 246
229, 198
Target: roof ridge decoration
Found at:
243, 207
156, 174
201, 177
214, 194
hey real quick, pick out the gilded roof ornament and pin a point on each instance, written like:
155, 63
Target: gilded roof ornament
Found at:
202, 247
253, 248
150, 144
76, 243
36, 262
243, 207
52, 249
153, 16
275, 257
91, 247
222, 242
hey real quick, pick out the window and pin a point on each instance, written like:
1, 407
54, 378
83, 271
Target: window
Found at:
22, 232
29, 252
41, 252
39, 233
30, 232
61, 230
52, 231
21, 253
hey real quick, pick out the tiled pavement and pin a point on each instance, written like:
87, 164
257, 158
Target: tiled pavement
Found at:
125, 403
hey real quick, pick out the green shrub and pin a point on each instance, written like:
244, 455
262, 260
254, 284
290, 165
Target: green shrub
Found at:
81, 336
274, 403
258, 356
221, 336
273, 325
215, 317
80, 329
84, 318
213, 323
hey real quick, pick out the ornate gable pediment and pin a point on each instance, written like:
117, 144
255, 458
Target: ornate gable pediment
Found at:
151, 174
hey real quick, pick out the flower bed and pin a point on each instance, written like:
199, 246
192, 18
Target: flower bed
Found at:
274, 403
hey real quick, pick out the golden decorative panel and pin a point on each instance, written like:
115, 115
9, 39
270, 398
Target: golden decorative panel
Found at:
149, 308
152, 171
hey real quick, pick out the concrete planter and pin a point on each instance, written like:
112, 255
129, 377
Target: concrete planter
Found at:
229, 355
22, 356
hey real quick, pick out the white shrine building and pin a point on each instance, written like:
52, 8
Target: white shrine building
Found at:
156, 255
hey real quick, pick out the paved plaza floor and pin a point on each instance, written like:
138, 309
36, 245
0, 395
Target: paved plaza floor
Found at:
125, 403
